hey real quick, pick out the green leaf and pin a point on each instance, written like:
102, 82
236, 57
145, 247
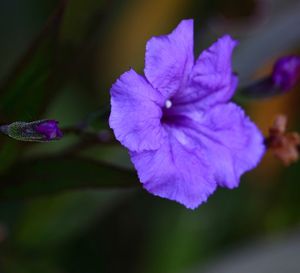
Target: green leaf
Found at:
52, 175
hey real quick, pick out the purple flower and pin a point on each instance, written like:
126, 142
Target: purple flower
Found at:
286, 72
184, 136
49, 129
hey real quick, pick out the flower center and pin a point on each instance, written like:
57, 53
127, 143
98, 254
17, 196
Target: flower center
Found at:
168, 104
169, 113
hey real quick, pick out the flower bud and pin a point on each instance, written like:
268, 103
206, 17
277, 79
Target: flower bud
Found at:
49, 129
40, 131
286, 72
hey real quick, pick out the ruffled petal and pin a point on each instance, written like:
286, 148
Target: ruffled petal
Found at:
176, 171
169, 59
212, 80
231, 142
136, 113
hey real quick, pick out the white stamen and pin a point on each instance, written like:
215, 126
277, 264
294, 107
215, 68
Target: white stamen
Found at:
168, 104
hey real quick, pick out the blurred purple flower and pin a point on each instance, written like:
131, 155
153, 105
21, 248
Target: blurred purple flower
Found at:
49, 129
184, 136
286, 72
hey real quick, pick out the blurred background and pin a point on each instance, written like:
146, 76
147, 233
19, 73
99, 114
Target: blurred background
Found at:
76, 206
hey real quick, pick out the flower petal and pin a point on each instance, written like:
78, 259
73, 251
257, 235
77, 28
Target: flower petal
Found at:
231, 142
136, 113
176, 171
212, 80
169, 59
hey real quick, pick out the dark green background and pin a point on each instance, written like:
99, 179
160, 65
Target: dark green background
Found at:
75, 206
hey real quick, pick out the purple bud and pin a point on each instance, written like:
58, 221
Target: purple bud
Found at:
286, 72
49, 129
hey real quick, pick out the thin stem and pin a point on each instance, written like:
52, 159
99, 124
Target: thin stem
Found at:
88, 139
261, 89
100, 113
